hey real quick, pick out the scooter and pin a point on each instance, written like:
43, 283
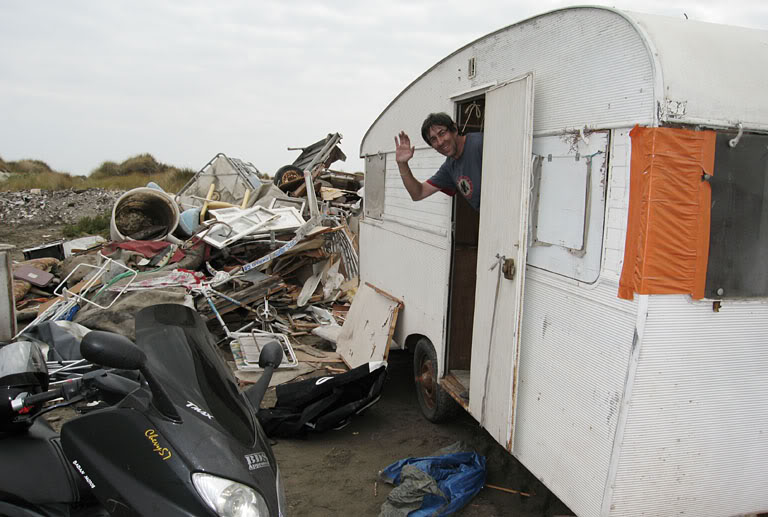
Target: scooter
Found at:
166, 431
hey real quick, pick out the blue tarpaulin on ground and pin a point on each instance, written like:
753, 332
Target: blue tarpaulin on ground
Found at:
458, 477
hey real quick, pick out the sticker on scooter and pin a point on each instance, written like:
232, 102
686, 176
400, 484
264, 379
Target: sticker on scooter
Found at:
257, 460
82, 473
195, 407
164, 452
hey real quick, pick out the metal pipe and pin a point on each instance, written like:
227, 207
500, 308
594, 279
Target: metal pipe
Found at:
7, 302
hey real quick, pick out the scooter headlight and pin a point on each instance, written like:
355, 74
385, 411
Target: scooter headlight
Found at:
229, 498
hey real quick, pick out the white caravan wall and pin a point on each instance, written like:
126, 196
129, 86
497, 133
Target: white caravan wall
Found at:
713, 74
413, 266
407, 251
432, 214
573, 362
573, 367
617, 205
590, 67
697, 426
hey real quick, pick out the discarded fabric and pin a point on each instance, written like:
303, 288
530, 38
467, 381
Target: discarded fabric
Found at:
433, 485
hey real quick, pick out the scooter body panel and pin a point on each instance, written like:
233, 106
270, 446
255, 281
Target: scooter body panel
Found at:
141, 462
33, 467
135, 459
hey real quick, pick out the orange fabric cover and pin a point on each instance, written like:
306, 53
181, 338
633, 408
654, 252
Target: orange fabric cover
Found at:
667, 244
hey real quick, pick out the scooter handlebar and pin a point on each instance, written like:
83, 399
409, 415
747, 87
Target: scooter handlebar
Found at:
21, 402
68, 391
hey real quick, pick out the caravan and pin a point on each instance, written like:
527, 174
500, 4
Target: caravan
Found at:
605, 315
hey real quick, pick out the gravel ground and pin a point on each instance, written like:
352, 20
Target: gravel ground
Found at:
35, 207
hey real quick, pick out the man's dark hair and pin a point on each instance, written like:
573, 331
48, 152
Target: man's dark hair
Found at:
437, 119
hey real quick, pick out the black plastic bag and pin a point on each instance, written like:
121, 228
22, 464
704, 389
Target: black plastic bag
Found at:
323, 403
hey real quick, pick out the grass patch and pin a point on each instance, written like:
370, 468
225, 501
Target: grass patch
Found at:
97, 225
171, 180
134, 172
43, 180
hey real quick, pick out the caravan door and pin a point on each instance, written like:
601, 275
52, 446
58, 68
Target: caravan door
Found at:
501, 256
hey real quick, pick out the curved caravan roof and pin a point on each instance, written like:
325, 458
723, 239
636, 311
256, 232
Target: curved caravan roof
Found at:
599, 67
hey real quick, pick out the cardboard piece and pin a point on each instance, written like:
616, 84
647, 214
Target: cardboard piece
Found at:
367, 332
33, 275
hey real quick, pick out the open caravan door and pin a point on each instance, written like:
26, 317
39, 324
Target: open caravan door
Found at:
501, 255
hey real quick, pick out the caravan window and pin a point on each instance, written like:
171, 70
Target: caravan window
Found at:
738, 236
375, 172
568, 204
470, 115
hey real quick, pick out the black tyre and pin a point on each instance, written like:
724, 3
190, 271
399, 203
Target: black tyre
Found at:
435, 403
287, 174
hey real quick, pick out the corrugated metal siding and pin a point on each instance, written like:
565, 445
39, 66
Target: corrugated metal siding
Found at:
696, 435
617, 205
411, 265
573, 363
433, 212
590, 67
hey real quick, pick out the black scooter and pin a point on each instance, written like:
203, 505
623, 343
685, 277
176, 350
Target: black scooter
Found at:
178, 439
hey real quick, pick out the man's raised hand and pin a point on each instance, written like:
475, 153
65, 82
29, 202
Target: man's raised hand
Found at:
403, 149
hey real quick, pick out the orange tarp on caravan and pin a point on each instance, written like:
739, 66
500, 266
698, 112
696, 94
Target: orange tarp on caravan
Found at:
667, 242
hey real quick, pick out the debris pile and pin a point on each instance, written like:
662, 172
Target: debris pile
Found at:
259, 260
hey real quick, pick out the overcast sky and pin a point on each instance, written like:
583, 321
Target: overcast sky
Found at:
82, 82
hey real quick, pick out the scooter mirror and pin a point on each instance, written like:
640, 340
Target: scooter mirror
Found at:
271, 355
112, 350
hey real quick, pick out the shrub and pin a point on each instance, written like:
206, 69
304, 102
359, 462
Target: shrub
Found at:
97, 225
141, 164
176, 179
28, 167
106, 170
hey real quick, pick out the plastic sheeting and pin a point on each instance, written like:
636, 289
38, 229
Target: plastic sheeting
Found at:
322, 403
434, 485
667, 242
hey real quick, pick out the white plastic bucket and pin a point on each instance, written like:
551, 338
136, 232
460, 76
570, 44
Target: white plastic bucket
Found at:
141, 208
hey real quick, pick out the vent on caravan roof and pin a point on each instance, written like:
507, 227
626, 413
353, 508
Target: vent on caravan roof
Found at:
471, 68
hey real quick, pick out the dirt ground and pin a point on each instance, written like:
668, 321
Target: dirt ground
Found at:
28, 236
335, 473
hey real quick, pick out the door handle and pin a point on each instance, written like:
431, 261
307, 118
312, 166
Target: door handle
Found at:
508, 268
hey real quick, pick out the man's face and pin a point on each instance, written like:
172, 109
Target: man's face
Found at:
443, 141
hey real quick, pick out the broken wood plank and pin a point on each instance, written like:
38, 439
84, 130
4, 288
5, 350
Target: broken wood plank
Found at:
384, 293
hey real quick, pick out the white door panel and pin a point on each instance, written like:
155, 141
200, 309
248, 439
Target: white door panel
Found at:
503, 237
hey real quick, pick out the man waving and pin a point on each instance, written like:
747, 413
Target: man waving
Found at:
462, 167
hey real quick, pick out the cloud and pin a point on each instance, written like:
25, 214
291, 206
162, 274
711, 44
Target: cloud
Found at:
84, 82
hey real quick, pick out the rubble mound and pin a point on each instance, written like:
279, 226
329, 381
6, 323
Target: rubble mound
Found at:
67, 206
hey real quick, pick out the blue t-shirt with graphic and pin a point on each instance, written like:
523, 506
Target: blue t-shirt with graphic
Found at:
463, 174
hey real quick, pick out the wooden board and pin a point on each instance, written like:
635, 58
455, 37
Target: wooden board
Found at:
367, 331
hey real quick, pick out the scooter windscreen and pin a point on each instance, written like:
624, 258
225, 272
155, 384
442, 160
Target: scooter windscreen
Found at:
182, 352
22, 363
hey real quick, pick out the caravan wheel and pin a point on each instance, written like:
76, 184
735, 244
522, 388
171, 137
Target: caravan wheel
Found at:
436, 405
